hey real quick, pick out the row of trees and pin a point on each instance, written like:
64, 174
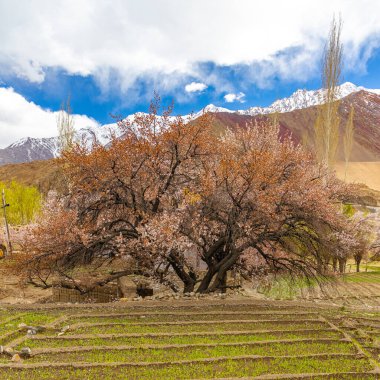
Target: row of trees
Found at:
169, 193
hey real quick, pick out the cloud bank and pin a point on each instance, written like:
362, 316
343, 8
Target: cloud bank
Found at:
125, 40
20, 118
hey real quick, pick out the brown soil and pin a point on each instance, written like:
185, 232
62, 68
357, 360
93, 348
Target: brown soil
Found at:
13, 292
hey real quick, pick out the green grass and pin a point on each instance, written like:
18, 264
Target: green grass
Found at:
363, 277
215, 327
184, 317
287, 287
35, 318
194, 353
223, 368
224, 344
177, 339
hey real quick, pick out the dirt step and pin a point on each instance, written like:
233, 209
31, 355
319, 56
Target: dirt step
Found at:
39, 351
196, 322
168, 334
181, 362
159, 314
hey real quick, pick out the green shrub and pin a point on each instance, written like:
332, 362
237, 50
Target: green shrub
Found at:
24, 202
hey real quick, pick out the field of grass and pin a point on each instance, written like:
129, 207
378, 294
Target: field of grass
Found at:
218, 339
352, 289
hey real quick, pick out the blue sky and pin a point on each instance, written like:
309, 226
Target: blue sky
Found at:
110, 57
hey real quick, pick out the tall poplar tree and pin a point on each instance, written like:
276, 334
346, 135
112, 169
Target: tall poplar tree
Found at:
328, 120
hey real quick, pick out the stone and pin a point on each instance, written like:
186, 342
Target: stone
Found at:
25, 352
127, 287
16, 358
144, 291
22, 326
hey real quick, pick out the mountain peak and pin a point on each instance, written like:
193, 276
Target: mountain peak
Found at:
213, 108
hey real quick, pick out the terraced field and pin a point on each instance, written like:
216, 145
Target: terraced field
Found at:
353, 290
190, 340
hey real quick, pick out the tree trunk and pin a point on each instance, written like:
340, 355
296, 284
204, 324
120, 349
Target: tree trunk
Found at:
223, 267
188, 279
358, 261
205, 283
188, 287
342, 265
319, 264
335, 264
220, 281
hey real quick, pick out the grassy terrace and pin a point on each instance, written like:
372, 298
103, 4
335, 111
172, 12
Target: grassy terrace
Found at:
9, 322
149, 317
191, 341
170, 339
199, 326
213, 369
170, 354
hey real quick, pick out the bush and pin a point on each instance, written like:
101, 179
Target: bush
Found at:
24, 202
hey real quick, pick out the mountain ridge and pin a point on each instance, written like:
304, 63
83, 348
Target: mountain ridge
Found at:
29, 149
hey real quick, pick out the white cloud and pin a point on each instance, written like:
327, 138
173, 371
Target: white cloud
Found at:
20, 118
230, 98
195, 87
169, 37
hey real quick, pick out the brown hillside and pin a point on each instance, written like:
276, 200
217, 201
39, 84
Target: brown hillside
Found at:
361, 172
45, 175
301, 122
367, 125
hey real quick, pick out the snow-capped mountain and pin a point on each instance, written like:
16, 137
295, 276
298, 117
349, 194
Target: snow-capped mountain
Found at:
211, 108
298, 100
303, 99
30, 149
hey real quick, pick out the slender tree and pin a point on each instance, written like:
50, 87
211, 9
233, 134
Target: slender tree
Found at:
328, 120
65, 126
348, 139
